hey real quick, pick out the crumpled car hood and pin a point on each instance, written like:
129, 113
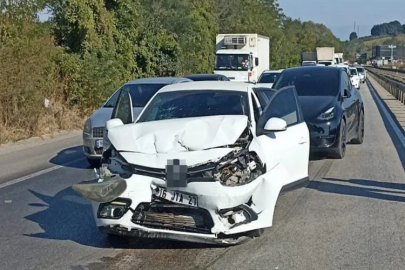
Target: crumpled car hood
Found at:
178, 135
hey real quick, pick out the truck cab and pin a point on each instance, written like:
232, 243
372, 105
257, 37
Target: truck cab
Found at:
242, 57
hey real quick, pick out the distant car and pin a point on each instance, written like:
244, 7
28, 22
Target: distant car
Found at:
268, 78
355, 78
362, 73
207, 77
333, 109
309, 63
141, 91
345, 67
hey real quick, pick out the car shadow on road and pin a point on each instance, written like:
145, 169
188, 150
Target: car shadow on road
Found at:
71, 157
396, 141
68, 216
361, 188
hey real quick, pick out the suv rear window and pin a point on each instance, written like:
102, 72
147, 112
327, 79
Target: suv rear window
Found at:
311, 81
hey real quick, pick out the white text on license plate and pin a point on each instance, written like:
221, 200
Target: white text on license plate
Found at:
177, 197
99, 144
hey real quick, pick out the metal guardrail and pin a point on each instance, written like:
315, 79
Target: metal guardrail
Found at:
395, 88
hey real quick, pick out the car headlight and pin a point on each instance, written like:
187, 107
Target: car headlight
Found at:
87, 126
329, 114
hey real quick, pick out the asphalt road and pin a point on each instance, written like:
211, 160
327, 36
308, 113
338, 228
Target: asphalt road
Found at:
350, 216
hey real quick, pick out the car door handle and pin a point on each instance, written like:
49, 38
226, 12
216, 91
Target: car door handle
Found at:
302, 140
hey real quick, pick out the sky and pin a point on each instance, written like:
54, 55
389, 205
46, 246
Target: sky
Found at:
340, 15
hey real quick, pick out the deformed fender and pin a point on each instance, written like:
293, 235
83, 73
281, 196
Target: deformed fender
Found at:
264, 199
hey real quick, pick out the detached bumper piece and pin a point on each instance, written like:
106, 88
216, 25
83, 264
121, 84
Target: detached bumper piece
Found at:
159, 215
101, 190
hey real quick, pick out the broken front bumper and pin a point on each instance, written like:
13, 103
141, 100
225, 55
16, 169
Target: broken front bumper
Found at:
222, 215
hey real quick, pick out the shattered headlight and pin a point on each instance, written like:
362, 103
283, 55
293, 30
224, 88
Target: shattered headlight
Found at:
114, 163
238, 168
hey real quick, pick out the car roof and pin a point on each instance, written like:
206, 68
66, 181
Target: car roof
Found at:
161, 80
204, 76
273, 71
312, 68
207, 85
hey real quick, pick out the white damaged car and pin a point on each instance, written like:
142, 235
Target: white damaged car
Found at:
203, 162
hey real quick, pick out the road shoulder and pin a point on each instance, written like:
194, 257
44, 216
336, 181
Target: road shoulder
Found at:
396, 108
38, 141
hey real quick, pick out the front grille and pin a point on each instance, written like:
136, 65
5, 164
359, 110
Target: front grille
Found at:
98, 132
99, 151
158, 215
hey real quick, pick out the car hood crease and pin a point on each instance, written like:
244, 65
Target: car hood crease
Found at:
178, 135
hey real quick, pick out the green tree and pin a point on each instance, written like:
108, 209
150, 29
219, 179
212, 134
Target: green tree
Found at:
353, 35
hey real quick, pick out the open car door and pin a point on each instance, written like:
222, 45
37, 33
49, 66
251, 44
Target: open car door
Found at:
284, 135
123, 109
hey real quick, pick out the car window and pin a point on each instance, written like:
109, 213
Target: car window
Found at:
268, 77
284, 106
310, 81
195, 103
123, 109
360, 70
112, 100
142, 93
264, 95
353, 71
344, 81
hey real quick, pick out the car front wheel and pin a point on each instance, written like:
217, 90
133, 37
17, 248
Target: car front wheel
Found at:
360, 130
340, 151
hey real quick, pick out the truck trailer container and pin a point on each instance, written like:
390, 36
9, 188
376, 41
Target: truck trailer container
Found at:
242, 57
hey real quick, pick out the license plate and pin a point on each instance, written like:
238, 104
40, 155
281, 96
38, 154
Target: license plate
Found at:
176, 197
98, 144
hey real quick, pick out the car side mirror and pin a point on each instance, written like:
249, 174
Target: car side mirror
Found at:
275, 124
346, 93
112, 123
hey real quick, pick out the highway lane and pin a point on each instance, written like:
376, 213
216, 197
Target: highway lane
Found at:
351, 216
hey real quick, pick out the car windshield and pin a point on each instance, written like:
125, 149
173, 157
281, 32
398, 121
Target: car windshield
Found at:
360, 70
353, 71
142, 93
112, 100
232, 62
310, 81
204, 78
268, 77
195, 103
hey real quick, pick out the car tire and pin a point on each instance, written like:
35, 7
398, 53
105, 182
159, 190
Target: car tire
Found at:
94, 163
360, 130
340, 151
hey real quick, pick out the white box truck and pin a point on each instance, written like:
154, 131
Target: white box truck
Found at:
242, 57
326, 55
339, 58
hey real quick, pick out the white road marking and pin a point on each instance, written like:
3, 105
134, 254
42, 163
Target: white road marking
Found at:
54, 168
394, 125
